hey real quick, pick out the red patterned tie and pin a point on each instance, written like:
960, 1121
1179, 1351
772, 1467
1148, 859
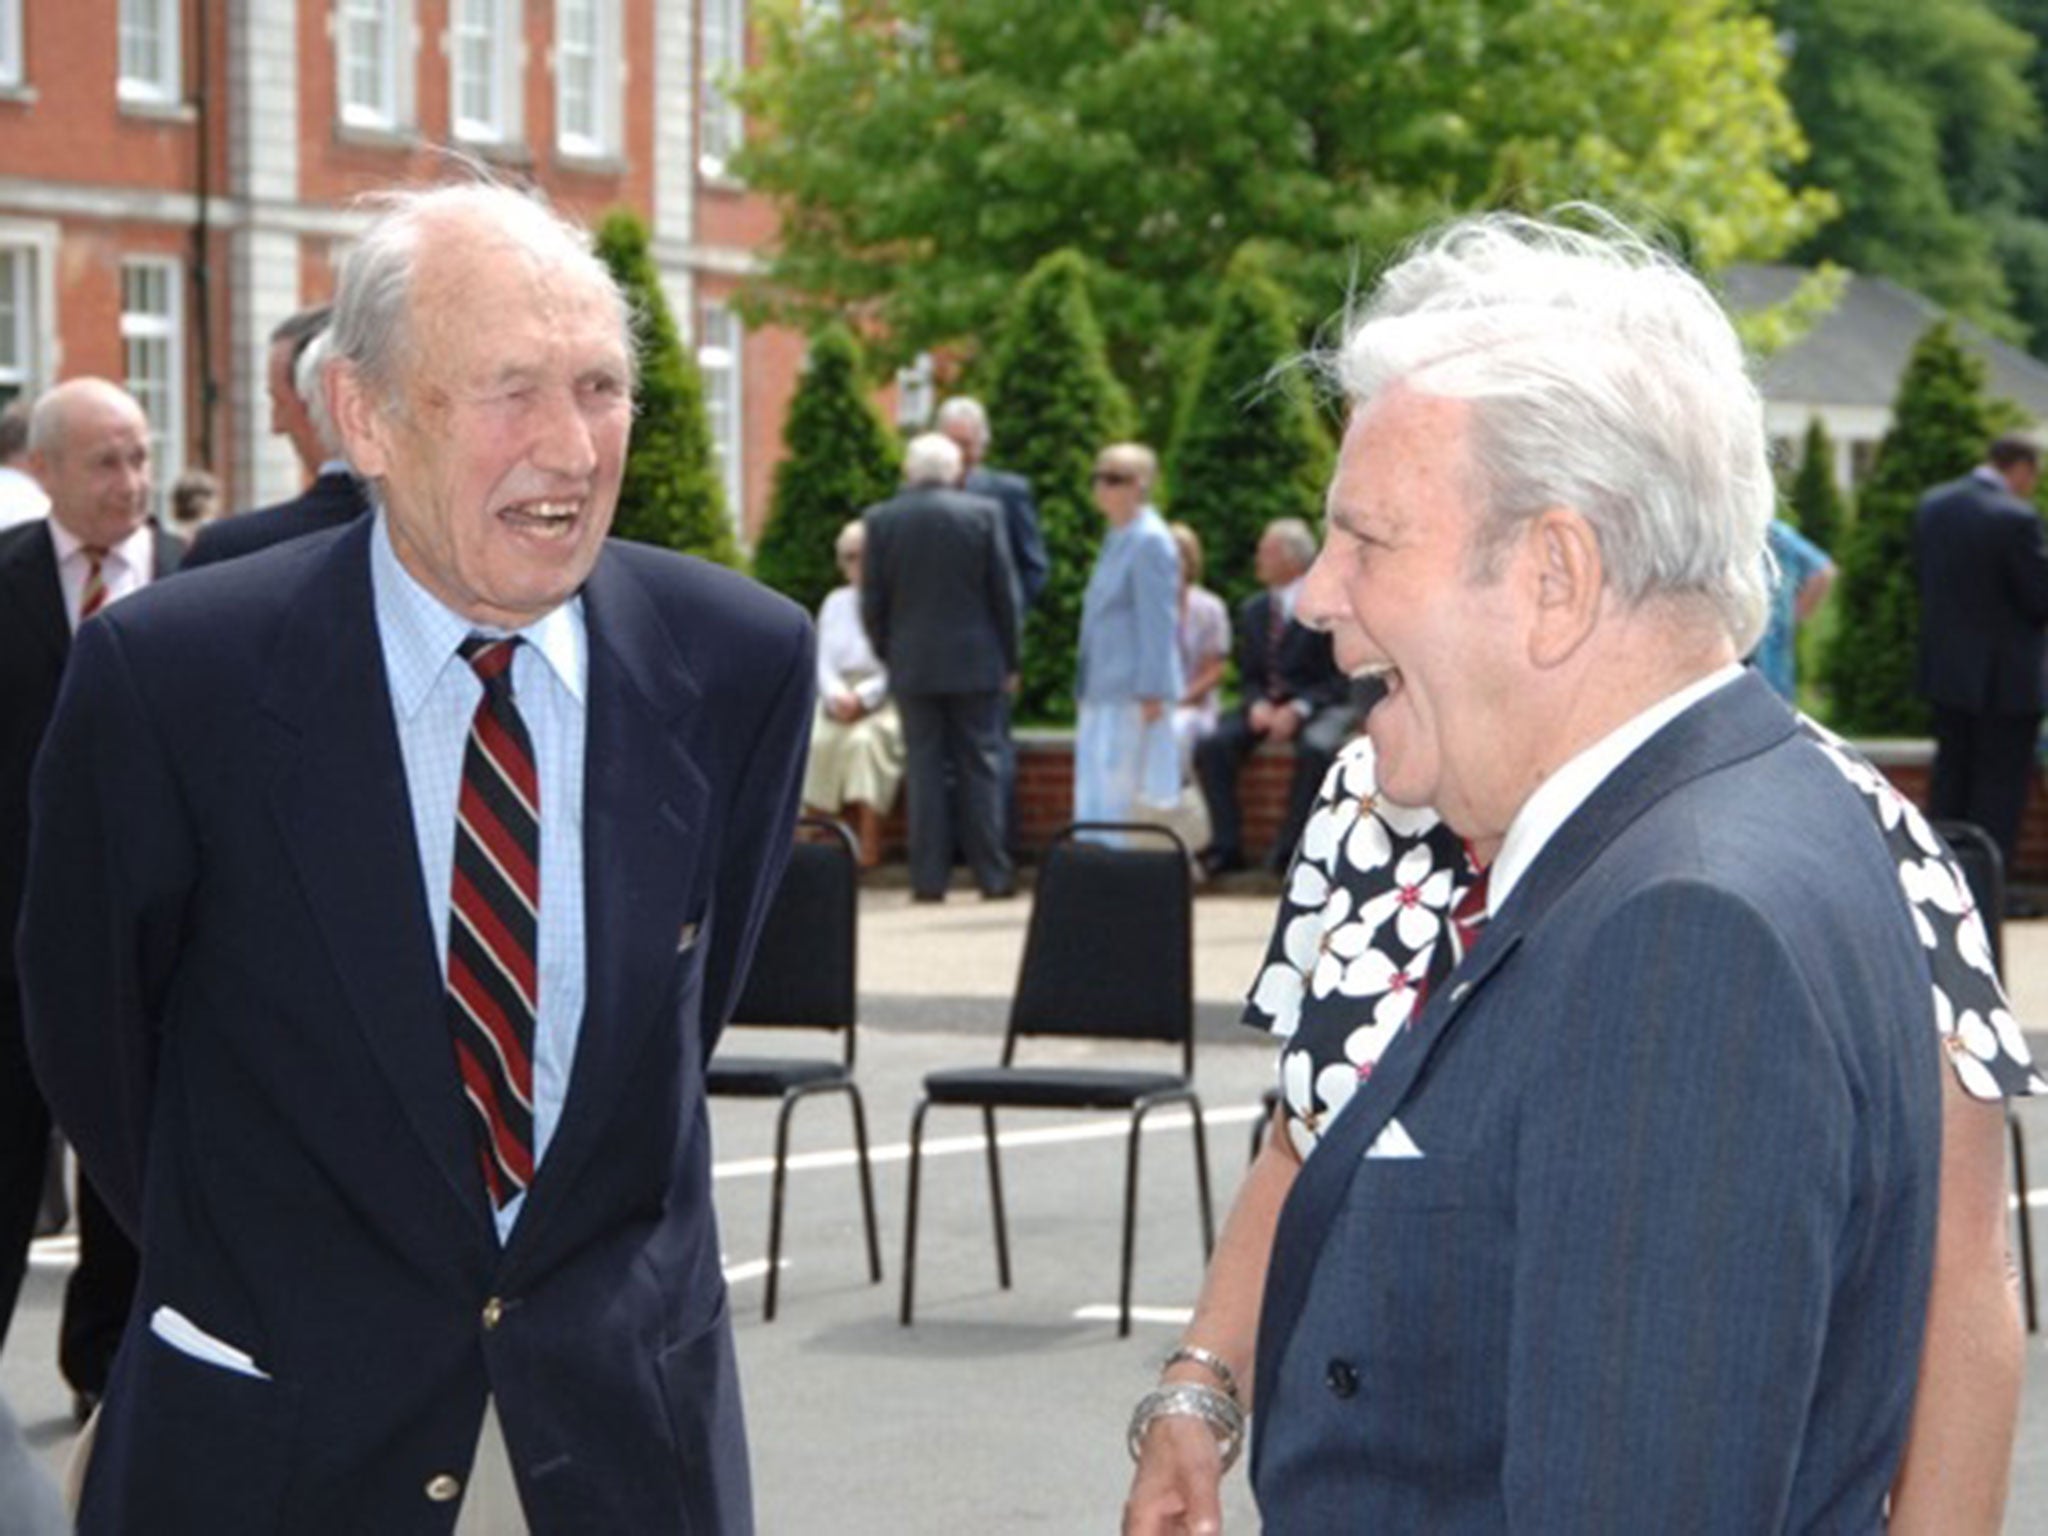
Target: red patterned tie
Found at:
493, 924
92, 597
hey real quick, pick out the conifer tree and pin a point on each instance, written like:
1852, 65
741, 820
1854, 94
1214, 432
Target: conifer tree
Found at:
1940, 424
672, 495
1052, 390
1249, 446
1815, 501
841, 459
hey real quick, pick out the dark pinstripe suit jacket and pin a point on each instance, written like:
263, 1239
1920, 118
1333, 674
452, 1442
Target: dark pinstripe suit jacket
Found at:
1663, 1262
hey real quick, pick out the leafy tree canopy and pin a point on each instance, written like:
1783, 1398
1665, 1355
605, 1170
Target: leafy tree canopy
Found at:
925, 153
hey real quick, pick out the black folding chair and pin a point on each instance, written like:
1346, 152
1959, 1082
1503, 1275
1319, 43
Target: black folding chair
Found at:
1984, 867
804, 977
1109, 955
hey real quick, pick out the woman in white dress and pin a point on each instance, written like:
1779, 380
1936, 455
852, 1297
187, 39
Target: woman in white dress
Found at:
856, 761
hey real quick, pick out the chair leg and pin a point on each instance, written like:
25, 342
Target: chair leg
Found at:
1202, 1180
1123, 1295
995, 1196
2026, 1219
910, 1211
779, 1187
867, 1182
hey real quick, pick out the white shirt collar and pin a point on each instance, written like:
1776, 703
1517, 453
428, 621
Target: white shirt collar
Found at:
132, 552
430, 631
1560, 795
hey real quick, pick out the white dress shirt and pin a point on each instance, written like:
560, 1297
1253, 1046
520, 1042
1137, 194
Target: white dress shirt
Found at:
129, 566
846, 662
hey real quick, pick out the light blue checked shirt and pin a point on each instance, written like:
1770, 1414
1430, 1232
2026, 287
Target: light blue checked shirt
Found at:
434, 694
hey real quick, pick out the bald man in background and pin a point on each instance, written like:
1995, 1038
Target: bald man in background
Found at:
89, 447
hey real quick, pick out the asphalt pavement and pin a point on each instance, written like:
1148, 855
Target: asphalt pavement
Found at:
999, 1411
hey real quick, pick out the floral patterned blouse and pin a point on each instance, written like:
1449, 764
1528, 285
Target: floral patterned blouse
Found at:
1370, 894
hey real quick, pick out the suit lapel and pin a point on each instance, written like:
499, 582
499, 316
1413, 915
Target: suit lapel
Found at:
169, 550
35, 593
338, 789
1734, 723
646, 807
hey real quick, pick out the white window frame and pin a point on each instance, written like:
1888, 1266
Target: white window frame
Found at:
721, 57
502, 34
13, 65
595, 137
917, 394
721, 362
388, 107
31, 249
138, 82
142, 332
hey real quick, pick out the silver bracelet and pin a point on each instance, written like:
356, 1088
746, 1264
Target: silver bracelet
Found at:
1210, 1361
1189, 1400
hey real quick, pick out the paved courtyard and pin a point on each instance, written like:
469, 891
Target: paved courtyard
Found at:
998, 1412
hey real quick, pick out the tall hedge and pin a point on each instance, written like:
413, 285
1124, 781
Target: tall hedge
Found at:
1248, 447
672, 494
1816, 501
1940, 425
840, 459
1056, 404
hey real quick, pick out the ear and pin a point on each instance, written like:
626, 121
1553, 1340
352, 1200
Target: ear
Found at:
1567, 578
360, 418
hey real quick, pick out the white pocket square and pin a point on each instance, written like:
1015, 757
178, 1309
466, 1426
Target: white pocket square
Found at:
188, 1338
687, 939
1393, 1141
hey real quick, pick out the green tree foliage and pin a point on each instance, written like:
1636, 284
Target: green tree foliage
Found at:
925, 153
672, 495
1815, 501
1940, 424
841, 458
1058, 403
1922, 123
1250, 446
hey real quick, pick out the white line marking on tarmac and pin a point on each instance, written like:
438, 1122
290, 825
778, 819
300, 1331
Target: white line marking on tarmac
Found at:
1166, 1317
954, 1146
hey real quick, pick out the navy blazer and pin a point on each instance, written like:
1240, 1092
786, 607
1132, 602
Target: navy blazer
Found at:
1663, 1262
333, 500
235, 1007
1982, 567
1028, 559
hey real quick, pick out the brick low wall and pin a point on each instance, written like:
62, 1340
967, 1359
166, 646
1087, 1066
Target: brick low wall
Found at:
1045, 795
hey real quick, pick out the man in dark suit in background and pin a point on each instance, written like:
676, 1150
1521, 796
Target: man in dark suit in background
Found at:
89, 447
380, 1018
939, 601
1292, 692
335, 497
1982, 569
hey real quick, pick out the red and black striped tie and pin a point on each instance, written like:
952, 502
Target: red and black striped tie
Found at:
494, 924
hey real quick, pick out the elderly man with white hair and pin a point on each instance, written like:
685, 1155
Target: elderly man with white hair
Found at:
939, 602
1620, 1210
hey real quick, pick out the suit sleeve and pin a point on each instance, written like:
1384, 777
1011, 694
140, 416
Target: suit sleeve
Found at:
1027, 544
112, 859
1155, 594
754, 847
1002, 590
1660, 1360
2026, 569
1315, 680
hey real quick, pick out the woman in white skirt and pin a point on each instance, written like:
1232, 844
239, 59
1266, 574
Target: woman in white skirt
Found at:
856, 761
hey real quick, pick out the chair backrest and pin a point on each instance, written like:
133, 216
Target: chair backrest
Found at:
805, 971
1110, 950
1984, 867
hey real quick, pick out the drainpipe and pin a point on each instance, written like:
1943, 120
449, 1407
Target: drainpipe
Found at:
202, 238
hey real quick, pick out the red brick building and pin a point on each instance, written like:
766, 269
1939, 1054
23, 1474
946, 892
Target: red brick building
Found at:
176, 178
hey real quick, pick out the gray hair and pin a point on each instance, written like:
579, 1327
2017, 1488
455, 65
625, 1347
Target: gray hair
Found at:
1298, 538
965, 413
372, 304
1602, 376
309, 383
931, 458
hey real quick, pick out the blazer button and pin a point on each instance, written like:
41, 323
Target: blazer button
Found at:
443, 1487
1341, 1379
494, 1313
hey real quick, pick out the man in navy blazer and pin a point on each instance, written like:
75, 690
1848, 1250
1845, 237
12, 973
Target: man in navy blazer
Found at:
1629, 1227
1982, 566
427, 1231
334, 498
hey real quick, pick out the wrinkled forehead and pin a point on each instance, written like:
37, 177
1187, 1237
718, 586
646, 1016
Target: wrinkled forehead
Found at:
505, 308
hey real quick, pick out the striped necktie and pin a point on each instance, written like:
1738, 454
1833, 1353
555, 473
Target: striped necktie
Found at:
92, 597
493, 924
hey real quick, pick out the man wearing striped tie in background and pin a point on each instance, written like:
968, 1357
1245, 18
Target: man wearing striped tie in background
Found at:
89, 448
464, 823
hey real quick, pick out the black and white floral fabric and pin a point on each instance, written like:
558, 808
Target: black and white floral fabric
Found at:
1368, 904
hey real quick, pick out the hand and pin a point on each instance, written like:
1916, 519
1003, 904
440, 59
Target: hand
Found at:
1259, 716
1010, 683
1149, 710
1284, 723
844, 707
1176, 1490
